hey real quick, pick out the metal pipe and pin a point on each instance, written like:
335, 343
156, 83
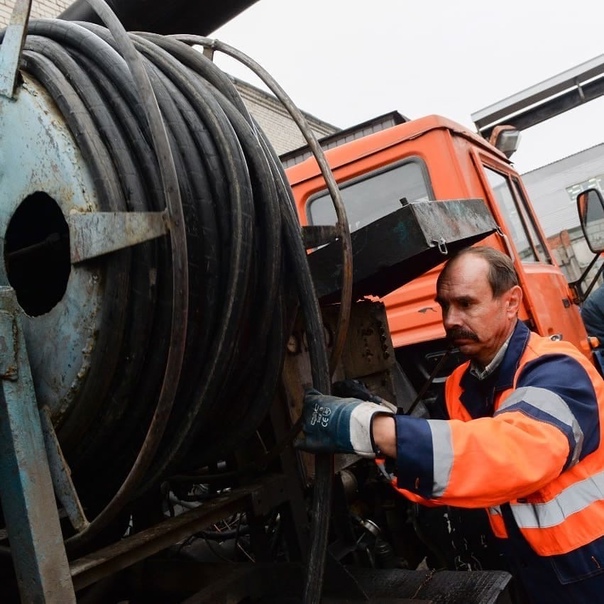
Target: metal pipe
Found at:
174, 17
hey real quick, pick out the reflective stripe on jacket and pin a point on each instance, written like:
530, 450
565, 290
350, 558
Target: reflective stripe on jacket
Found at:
533, 443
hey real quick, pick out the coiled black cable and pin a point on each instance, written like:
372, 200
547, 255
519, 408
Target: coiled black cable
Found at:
239, 224
236, 230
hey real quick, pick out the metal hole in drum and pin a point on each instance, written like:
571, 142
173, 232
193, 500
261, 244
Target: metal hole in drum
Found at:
36, 254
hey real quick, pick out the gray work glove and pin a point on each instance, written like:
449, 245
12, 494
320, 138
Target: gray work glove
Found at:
338, 425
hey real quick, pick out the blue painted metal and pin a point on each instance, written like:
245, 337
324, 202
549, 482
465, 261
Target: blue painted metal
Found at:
61, 475
12, 45
92, 234
38, 153
27, 495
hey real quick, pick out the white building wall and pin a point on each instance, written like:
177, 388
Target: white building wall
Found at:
553, 188
553, 192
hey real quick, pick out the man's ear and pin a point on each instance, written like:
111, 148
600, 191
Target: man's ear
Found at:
514, 299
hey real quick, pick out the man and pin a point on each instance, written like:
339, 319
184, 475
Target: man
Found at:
523, 440
592, 313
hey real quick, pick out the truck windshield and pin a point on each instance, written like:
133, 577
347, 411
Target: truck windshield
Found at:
517, 216
374, 195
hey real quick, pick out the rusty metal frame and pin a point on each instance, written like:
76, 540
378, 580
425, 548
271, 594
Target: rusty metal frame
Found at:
27, 495
118, 556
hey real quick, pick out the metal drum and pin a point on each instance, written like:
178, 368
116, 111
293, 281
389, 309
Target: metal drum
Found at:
145, 253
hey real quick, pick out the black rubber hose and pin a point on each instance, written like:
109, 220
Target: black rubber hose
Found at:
266, 293
242, 246
202, 409
80, 122
203, 66
268, 296
105, 176
105, 354
252, 362
240, 232
180, 286
80, 418
200, 160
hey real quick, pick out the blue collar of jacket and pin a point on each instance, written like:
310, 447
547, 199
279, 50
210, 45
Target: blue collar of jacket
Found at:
477, 396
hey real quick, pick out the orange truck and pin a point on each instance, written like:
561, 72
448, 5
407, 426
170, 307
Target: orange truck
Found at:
434, 158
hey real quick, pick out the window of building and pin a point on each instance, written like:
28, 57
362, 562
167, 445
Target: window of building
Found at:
596, 182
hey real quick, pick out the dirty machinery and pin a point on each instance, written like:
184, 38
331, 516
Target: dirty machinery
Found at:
160, 320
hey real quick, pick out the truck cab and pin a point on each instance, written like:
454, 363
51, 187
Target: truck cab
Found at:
434, 158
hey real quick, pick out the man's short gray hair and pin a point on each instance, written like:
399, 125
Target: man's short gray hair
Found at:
502, 275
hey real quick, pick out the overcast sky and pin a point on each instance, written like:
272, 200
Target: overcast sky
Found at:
347, 61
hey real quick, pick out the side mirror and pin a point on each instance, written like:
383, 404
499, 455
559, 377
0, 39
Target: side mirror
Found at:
591, 214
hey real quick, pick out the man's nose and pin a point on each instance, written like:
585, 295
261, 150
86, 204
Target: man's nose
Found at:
451, 318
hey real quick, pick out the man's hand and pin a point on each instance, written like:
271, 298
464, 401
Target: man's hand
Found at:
338, 425
356, 389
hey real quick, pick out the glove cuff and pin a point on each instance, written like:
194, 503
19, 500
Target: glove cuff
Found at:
361, 433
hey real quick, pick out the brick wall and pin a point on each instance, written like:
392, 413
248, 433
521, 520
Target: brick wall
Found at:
274, 120
39, 9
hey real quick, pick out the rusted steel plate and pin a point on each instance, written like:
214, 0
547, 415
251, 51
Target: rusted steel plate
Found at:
97, 233
401, 246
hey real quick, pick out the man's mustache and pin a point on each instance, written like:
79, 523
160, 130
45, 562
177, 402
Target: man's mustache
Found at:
462, 334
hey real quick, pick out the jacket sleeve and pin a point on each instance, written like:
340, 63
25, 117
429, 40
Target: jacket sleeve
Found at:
548, 423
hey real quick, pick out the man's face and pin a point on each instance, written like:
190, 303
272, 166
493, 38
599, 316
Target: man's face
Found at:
475, 322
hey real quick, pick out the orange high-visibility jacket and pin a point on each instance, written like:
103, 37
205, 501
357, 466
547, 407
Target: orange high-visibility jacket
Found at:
528, 436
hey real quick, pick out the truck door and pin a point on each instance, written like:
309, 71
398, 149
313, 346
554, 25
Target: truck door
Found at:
547, 295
